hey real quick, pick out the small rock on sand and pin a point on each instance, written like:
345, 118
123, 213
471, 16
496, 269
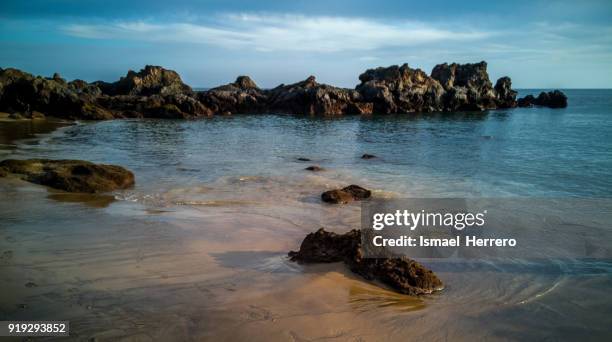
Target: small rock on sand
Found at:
398, 272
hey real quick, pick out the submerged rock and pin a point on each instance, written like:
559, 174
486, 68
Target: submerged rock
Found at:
368, 156
551, 99
314, 168
70, 175
345, 195
400, 273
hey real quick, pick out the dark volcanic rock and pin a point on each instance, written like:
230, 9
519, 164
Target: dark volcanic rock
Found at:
400, 273
551, 99
70, 175
345, 195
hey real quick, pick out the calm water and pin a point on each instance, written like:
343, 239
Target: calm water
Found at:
518, 152
201, 240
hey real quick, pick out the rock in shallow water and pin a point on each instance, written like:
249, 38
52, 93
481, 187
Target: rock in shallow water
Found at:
70, 175
551, 99
314, 168
350, 193
400, 273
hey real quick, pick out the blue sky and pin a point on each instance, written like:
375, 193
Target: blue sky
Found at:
552, 44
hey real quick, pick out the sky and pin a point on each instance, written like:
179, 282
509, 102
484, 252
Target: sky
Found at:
539, 44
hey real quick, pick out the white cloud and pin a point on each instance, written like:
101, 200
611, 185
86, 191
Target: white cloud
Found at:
281, 33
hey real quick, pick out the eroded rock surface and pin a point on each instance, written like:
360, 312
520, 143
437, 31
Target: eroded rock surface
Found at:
399, 273
152, 80
160, 93
69, 175
347, 194
312, 98
240, 97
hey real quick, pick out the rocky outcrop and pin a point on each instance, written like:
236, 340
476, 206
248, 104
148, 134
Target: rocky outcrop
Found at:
69, 175
399, 273
346, 194
312, 98
178, 106
467, 86
506, 96
152, 80
160, 93
400, 89
551, 99
23, 93
454, 87
241, 97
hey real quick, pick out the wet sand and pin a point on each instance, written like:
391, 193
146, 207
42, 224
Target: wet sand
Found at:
12, 130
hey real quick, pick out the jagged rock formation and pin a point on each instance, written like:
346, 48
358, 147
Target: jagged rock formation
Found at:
551, 99
23, 93
160, 93
400, 273
152, 80
312, 98
242, 96
400, 90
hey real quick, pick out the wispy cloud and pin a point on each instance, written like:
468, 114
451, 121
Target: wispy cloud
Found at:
281, 32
